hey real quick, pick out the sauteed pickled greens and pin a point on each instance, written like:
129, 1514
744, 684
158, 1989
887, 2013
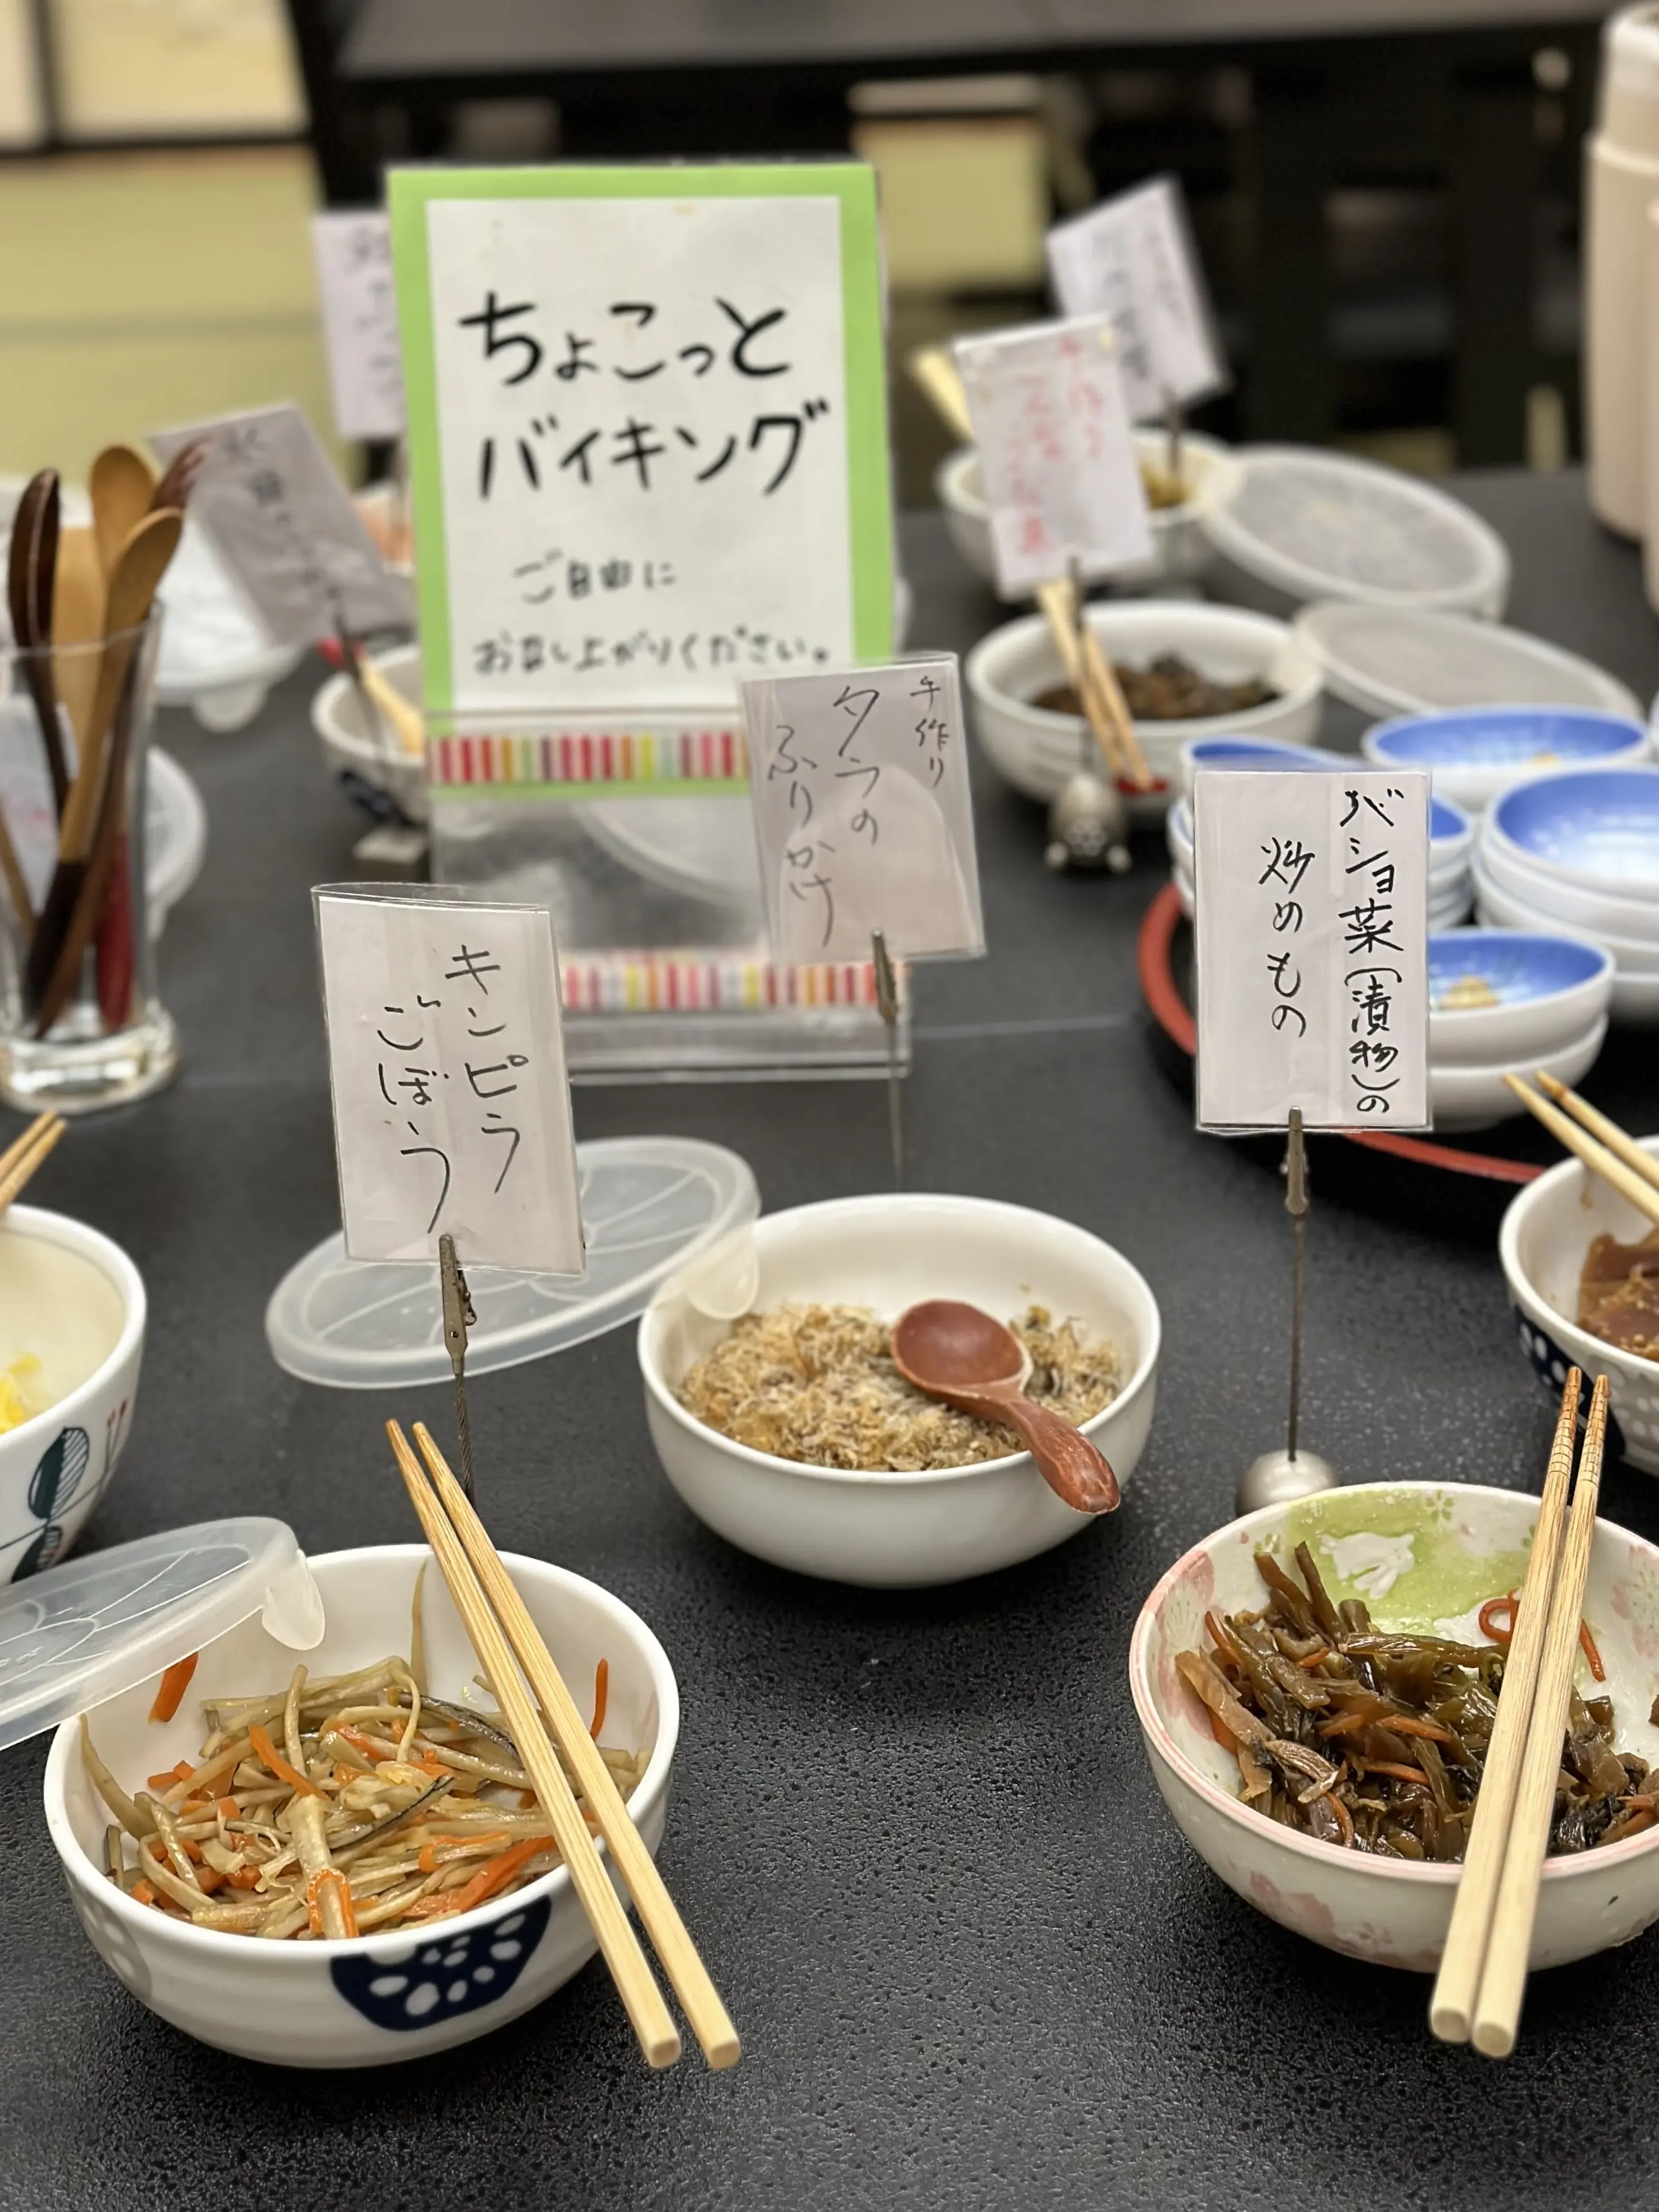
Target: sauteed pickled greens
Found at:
1375, 1741
350, 1803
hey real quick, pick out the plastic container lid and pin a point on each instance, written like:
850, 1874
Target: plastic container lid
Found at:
1320, 525
649, 1204
1403, 661
83, 1633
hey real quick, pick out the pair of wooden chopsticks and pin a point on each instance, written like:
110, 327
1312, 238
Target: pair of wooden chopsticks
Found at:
1483, 1971
20, 1158
507, 1640
1607, 1149
1087, 669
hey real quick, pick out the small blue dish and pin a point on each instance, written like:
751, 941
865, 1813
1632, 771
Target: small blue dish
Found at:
1545, 992
1595, 827
1475, 753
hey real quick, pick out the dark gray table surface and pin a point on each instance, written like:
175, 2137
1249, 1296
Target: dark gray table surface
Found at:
914, 1833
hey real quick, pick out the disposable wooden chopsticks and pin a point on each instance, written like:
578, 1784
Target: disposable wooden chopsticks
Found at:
20, 1159
1451, 2008
636, 1984
1059, 602
688, 1976
1503, 1980
1104, 678
1640, 1185
1618, 1141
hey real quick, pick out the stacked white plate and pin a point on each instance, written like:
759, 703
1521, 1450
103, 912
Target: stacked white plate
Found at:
1451, 834
1577, 853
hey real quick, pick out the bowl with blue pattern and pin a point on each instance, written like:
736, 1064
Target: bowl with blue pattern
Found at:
1542, 1244
1594, 829
376, 1999
1475, 754
72, 1315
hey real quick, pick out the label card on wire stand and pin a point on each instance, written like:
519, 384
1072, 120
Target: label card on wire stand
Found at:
352, 248
862, 811
1056, 452
451, 1104
269, 498
1133, 258
1312, 936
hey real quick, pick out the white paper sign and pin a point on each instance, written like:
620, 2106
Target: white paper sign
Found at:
352, 252
1056, 452
1133, 258
284, 525
862, 811
1312, 919
451, 1105
643, 446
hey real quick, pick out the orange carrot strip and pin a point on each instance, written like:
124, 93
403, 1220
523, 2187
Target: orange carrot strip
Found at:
182, 1773
1488, 1618
266, 1750
1316, 1658
601, 1697
434, 1767
428, 1860
174, 1684
373, 1751
483, 1884
1222, 1735
230, 1809
313, 1913
142, 1892
1588, 1643
1344, 1724
246, 1877
1408, 1724
1388, 1766
1344, 1820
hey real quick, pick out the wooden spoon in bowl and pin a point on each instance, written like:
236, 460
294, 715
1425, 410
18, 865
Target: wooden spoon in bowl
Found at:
957, 1353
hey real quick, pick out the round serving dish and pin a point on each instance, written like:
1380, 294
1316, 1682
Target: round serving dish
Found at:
373, 1999
1633, 918
1181, 551
1438, 1551
1473, 755
1466, 1096
1596, 828
1636, 960
377, 759
1038, 751
1542, 1244
883, 1529
1547, 988
74, 1300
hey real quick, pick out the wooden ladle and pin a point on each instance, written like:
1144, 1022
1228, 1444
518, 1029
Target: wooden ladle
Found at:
955, 1352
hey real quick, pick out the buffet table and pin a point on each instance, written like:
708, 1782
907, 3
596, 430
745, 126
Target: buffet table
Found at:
914, 1834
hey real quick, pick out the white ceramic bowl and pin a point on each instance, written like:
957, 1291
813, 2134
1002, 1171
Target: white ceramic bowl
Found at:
373, 1999
1474, 754
1633, 918
1541, 1243
1635, 991
74, 1300
1181, 551
1549, 987
1037, 751
1632, 955
337, 716
1465, 1096
1466, 1544
888, 1253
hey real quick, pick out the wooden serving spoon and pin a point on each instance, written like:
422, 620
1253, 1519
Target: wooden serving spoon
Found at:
122, 483
68, 916
77, 621
955, 1352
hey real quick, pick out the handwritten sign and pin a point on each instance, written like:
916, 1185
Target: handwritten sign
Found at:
1132, 258
353, 252
451, 1106
862, 811
285, 526
1312, 918
1056, 452
647, 429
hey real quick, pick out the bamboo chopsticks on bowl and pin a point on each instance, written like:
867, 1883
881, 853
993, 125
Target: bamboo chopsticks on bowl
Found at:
1605, 1148
1483, 1970
21, 1157
507, 1640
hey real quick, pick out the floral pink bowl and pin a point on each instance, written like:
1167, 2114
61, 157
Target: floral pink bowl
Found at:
1423, 1557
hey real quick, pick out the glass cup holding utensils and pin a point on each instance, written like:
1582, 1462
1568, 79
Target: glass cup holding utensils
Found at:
81, 1025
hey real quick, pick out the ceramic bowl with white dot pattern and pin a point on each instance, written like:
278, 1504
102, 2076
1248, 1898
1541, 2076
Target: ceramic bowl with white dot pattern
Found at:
377, 1998
1545, 1235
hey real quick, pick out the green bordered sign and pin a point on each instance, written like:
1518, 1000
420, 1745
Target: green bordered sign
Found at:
648, 453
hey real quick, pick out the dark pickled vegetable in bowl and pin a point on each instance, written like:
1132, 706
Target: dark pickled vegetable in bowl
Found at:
1169, 690
1376, 1742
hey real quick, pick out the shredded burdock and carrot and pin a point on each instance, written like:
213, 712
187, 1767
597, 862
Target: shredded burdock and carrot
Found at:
1376, 1741
818, 1383
384, 1808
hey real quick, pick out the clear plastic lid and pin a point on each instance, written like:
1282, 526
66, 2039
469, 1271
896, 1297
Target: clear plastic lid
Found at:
83, 1633
1319, 525
1403, 661
649, 1206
